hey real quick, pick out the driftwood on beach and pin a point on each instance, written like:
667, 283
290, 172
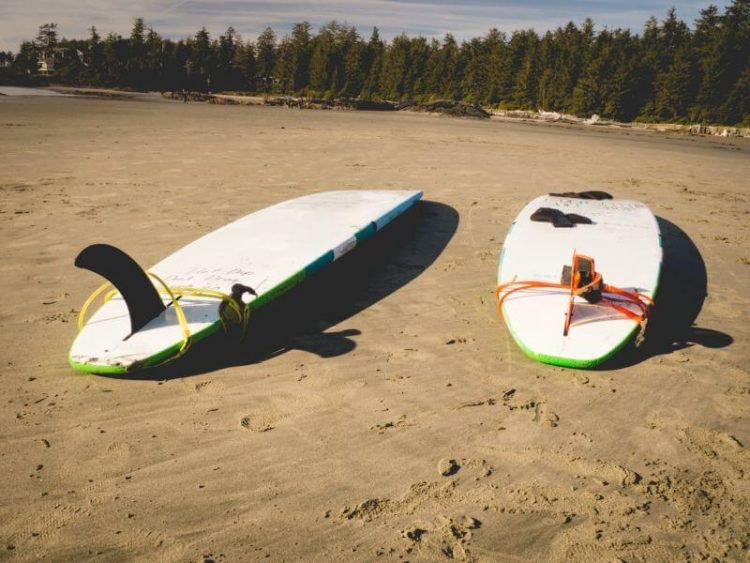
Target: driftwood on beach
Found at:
443, 107
447, 107
450, 108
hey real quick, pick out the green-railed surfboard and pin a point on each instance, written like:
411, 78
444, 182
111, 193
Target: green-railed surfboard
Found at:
552, 298
151, 318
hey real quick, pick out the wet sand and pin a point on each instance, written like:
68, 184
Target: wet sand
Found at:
381, 412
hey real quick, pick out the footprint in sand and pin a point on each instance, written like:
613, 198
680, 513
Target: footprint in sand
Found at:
400, 422
448, 467
256, 423
209, 387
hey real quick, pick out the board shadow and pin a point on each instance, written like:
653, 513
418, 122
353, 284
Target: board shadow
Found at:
683, 285
301, 318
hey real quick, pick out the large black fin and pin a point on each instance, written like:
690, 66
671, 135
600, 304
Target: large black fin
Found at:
128, 277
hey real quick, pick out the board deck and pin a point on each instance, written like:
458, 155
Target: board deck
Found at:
625, 242
271, 250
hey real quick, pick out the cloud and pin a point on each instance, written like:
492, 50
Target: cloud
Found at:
20, 19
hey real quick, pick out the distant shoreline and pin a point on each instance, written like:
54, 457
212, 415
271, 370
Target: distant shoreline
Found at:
515, 116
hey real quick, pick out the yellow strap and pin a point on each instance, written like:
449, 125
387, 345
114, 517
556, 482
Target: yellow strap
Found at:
172, 292
89, 301
180, 314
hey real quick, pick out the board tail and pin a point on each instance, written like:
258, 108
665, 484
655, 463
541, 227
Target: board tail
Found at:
140, 295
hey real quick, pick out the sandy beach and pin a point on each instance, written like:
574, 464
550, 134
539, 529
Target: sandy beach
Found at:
381, 412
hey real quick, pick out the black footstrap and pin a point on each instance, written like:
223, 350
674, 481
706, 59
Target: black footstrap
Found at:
140, 295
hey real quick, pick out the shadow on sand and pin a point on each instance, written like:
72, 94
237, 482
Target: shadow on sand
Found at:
300, 319
679, 300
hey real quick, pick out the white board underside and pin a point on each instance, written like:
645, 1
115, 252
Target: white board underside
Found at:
260, 250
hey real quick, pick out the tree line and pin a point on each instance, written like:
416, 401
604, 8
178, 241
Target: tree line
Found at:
669, 72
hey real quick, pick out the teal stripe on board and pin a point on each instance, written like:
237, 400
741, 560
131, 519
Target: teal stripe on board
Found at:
327, 258
395, 212
367, 232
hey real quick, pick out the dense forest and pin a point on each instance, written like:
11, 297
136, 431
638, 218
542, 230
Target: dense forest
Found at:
669, 72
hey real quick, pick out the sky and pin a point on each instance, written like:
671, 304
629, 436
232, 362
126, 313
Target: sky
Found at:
176, 19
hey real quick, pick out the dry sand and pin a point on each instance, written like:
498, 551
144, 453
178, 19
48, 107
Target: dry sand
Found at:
383, 411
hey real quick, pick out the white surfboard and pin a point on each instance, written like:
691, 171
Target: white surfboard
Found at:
271, 250
624, 241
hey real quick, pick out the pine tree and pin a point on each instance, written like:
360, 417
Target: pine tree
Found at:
355, 71
301, 55
525, 78
227, 75
737, 30
396, 68
135, 63
284, 68
202, 61
46, 39
247, 67
374, 65
265, 56
675, 79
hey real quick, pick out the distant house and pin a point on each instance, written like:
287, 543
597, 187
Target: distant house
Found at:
49, 58
46, 64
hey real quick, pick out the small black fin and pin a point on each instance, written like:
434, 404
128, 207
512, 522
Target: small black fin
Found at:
551, 215
592, 194
128, 277
579, 219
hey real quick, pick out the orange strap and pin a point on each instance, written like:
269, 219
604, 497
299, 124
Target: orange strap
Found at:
617, 302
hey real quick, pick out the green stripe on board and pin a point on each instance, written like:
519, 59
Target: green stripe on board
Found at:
571, 362
148, 362
280, 289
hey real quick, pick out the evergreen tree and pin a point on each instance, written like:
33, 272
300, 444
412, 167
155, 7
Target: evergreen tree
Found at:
26, 62
301, 55
114, 59
737, 40
284, 68
46, 39
674, 78
227, 75
94, 48
135, 63
524, 49
445, 69
374, 64
395, 68
201, 62
265, 59
668, 72
247, 66
355, 69
711, 50
547, 59
154, 61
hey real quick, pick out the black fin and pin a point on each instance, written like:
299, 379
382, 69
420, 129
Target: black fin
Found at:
550, 215
128, 277
579, 219
593, 194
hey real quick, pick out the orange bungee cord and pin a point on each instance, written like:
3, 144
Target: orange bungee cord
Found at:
582, 280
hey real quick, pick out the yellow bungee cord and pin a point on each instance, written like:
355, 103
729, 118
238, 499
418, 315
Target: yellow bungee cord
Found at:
242, 313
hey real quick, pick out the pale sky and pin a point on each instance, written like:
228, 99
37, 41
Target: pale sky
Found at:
176, 19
